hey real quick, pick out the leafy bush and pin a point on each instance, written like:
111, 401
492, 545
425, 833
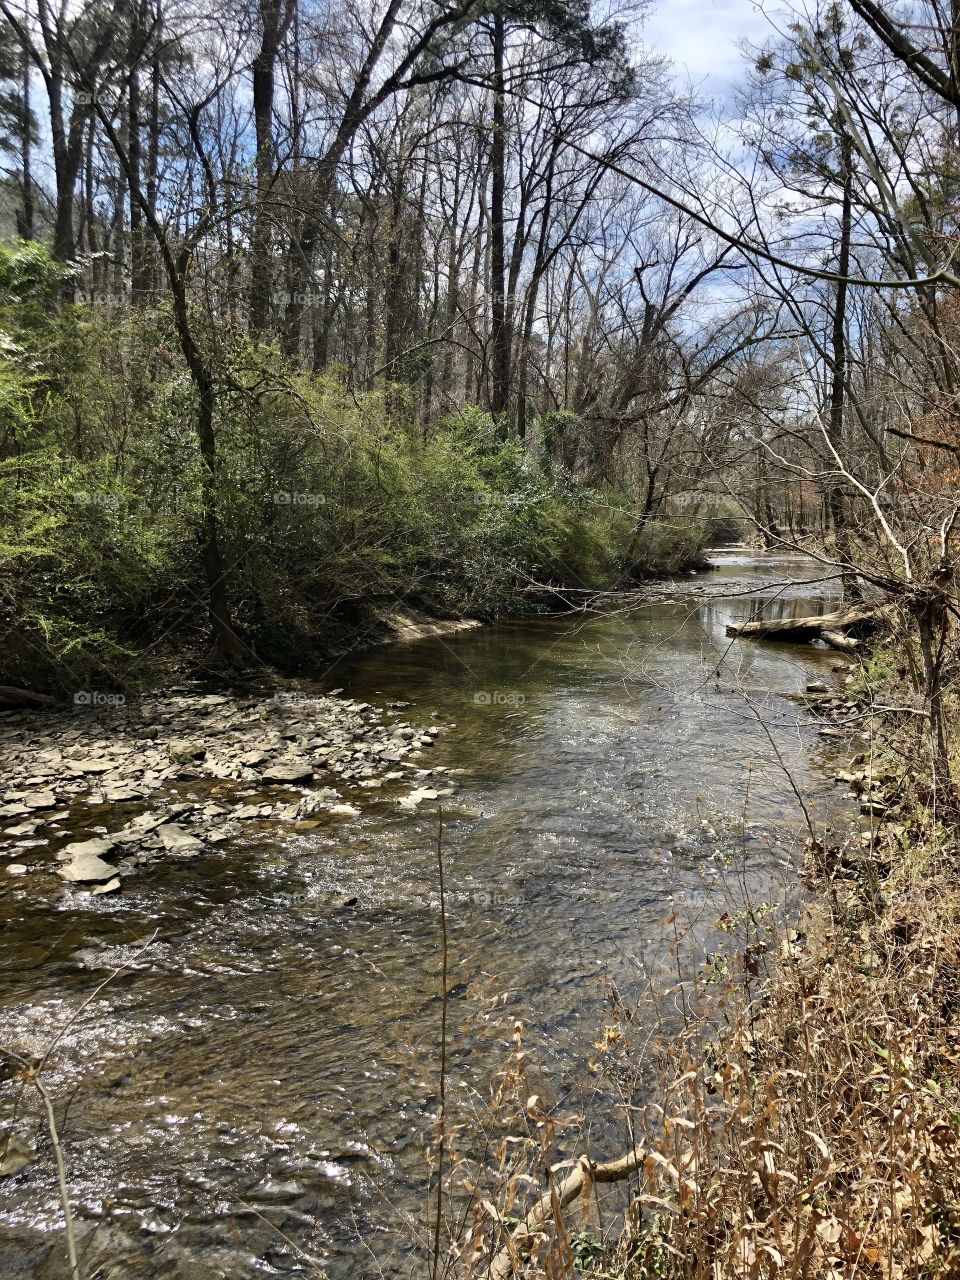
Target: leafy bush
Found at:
329, 508
667, 546
726, 524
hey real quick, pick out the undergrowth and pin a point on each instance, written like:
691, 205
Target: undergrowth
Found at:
331, 505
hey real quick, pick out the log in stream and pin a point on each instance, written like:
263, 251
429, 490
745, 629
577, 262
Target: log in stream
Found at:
842, 629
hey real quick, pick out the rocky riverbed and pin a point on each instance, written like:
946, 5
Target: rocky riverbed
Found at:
92, 793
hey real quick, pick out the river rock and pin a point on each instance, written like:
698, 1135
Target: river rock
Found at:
16, 869
111, 886
90, 768
248, 811
417, 797
121, 794
23, 829
97, 848
84, 867
177, 840
15, 1154
139, 827
288, 771
40, 800
182, 751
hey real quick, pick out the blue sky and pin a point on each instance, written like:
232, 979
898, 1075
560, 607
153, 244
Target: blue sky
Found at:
703, 37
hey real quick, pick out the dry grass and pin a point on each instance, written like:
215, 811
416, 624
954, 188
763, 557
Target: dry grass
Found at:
817, 1134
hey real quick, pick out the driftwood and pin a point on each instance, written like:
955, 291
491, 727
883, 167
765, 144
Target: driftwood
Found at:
837, 640
586, 1172
11, 697
833, 628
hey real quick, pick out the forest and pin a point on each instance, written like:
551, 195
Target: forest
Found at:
456, 306
330, 324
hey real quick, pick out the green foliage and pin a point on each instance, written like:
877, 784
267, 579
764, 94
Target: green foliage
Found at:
330, 508
28, 274
667, 546
724, 524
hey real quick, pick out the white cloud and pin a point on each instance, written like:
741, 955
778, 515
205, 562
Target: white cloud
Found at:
702, 38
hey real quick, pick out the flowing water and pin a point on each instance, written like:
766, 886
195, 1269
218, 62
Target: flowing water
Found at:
268, 1060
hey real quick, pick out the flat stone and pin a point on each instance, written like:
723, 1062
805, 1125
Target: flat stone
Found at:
344, 810
246, 811
140, 826
417, 797
176, 840
15, 1154
40, 800
288, 772
112, 886
16, 869
95, 848
84, 867
181, 750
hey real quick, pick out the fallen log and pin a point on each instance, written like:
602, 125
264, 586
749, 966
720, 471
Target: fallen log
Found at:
837, 640
508, 1259
837, 625
11, 697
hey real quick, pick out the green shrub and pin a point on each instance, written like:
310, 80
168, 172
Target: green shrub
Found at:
667, 546
329, 508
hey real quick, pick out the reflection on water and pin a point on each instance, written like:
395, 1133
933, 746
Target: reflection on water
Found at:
270, 1056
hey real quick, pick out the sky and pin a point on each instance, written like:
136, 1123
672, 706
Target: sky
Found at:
702, 37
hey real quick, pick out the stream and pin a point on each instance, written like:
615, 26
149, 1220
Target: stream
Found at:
259, 1081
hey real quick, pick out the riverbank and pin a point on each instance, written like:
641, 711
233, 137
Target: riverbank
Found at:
106, 785
130, 561
805, 1120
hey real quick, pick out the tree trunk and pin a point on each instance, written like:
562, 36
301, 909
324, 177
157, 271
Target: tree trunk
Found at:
139, 267
836, 498
933, 620
500, 339
26, 220
275, 18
